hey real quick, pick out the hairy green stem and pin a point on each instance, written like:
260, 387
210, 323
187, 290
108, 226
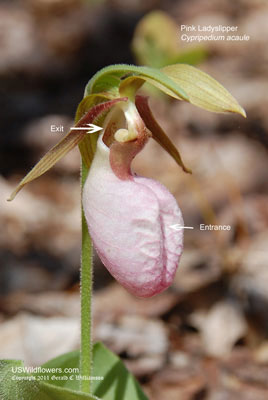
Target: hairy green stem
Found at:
86, 279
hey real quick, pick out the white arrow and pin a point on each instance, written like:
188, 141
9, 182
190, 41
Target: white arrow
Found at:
92, 128
178, 227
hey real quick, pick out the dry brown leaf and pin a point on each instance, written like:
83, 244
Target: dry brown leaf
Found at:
220, 328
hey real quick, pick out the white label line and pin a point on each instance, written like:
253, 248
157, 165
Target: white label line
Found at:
91, 128
178, 227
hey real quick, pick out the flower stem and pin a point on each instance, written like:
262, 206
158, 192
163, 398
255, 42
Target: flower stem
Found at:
86, 278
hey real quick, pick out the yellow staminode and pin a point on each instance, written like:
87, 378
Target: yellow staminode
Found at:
123, 135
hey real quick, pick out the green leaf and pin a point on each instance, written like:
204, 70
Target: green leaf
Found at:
68, 360
59, 393
60, 384
22, 386
203, 91
10, 387
117, 384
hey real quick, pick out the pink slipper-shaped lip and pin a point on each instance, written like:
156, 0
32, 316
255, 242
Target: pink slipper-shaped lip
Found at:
129, 219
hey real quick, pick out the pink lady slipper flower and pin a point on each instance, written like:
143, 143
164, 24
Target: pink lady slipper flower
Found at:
129, 217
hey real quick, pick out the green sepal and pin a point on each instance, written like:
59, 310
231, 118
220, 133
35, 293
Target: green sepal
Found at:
157, 132
203, 90
87, 146
96, 113
104, 79
89, 102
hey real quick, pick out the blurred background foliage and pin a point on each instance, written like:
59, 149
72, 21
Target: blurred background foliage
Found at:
206, 337
156, 42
